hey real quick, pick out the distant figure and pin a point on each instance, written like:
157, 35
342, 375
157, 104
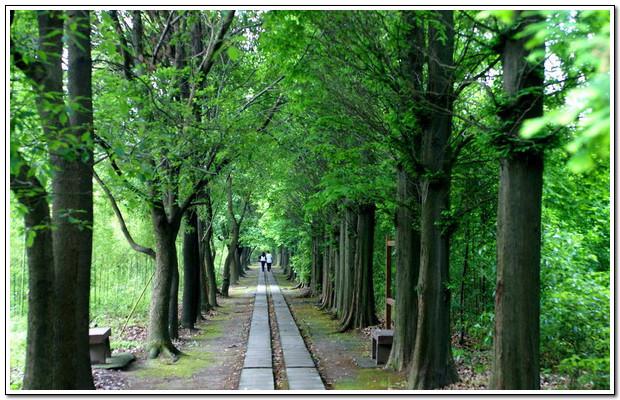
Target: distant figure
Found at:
269, 260
263, 259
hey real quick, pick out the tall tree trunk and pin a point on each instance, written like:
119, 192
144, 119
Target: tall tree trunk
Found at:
349, 250
203, 290
173, 304
241, 254
191, 270
517, 294
159, 338
226, 274
407, 272
408, 208
462, 294
331, 307
339, 276
317, 262
432, 363
210, 271
209, 253
40, 334
362, 309
231, 267
73, 216
325, 278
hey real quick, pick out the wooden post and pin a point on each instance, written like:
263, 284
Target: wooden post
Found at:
389, 301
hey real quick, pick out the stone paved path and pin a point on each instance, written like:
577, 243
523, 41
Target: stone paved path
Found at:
257, 373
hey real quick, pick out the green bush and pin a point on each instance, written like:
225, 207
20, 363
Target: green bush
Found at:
588, 373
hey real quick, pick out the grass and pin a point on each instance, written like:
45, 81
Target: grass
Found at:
17, 349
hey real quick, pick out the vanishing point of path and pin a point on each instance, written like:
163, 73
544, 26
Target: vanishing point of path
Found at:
258, 369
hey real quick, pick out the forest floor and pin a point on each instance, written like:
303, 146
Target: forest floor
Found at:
344, 362
215, 351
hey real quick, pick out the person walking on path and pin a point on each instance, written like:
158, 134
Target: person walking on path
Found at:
263, 259
269, 260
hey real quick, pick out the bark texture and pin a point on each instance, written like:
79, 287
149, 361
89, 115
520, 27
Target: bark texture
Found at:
362, 309
209, 253
348, 252
407, 272
72, 217
191, 271
432, 364
159, 339
40, 334
317, 262
517, 295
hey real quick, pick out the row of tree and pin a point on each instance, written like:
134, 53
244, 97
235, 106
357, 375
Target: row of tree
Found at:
310, 132
159, 108
424, 94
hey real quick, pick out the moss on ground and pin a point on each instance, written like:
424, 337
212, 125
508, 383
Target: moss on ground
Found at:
187, 366
195, 359
371, 379
211, 329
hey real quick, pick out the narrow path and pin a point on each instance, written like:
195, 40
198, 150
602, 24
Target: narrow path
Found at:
257, 370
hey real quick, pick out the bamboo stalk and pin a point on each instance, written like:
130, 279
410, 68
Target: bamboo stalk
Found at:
136, 304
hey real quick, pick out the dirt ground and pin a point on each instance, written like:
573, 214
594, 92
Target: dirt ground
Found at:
215, 352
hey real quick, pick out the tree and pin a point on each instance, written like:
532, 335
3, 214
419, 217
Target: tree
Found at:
69, 137
161, 181
191, 270
517, 293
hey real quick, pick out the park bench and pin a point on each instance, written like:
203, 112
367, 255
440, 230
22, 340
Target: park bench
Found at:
381, 344
99, 340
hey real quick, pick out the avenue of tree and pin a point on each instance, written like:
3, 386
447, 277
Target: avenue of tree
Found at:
478, 141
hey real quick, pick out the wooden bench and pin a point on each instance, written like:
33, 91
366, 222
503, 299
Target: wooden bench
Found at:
99, 340
381, 344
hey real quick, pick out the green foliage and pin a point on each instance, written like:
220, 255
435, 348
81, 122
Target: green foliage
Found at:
17, 349
589, 373
582, 43
309, 112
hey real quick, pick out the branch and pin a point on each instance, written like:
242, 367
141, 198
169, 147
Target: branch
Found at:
169, 23
136, 35
122, 47
207, 61
265, 90
229, 200
34, 70
141, 249
108, 150
272, 112
27, 188
201, 184
246, 204
474, 79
